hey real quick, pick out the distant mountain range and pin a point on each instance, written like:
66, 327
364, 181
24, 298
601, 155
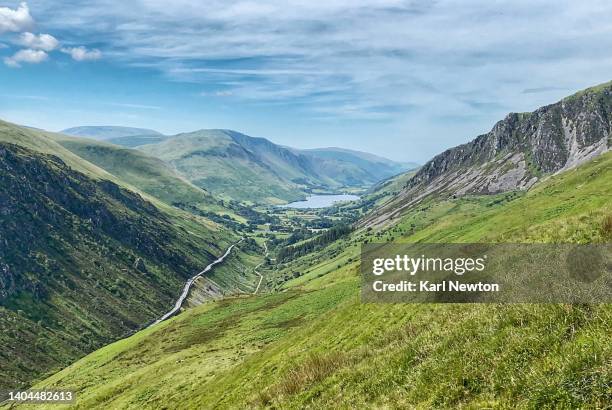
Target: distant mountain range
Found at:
104, 133
236, 166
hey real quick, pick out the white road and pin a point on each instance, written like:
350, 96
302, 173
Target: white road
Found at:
181, 299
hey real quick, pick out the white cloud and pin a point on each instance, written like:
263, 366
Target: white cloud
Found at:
82, 54
26, 56
16, 20
447, 59
44, 42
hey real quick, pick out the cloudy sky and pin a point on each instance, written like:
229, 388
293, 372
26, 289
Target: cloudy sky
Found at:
405, 79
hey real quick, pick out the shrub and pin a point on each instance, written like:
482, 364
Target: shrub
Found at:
606, 227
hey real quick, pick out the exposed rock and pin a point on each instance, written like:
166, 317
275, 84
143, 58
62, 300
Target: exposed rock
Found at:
140, 266
517, 152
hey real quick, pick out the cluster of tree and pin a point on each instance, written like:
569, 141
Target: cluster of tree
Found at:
226, 220
316, 243
320, 223
254, 217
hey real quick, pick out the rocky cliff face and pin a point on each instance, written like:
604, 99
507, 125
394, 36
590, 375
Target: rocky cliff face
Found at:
519, 150
523, 147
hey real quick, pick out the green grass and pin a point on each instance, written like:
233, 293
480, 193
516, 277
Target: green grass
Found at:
71, 285
148, 174
211, 160
313, 344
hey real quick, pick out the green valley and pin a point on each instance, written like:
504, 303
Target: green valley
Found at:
314, 344
281, 322
84, 259
234, 166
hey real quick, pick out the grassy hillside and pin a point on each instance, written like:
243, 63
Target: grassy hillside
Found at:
85, 262
44, 142
235, 166
148, 174
211, 159
315, 345
76, 235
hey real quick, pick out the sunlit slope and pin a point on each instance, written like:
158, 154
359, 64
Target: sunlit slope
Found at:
42, 141
211, 159
148, 174
236, 166
315, 345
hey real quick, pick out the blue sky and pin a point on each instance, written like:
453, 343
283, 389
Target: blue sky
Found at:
404, 79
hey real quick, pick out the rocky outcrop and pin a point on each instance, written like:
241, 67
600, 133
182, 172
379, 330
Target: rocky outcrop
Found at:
523, 147
517, 152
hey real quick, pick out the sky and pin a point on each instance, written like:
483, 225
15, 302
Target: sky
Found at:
402, 79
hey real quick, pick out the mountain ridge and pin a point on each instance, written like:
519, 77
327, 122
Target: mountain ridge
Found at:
105, 132
519, 150
241, 167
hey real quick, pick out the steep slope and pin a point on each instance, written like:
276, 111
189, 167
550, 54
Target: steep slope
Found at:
106, 132
217, 161
315, 345
83, 260
240, 167
44, 142
518, 151
148, 174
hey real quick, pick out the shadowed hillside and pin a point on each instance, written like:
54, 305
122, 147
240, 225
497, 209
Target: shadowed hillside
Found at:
83, 261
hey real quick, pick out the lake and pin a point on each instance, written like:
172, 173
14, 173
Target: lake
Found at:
321, 201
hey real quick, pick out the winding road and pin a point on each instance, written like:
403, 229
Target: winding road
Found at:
257, 267
181, 299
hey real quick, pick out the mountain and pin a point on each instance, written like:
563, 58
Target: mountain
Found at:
344, 154
313, 344
236, 166
354, 167
217, 161
107, 132
83, 259
148, 174
520, 150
